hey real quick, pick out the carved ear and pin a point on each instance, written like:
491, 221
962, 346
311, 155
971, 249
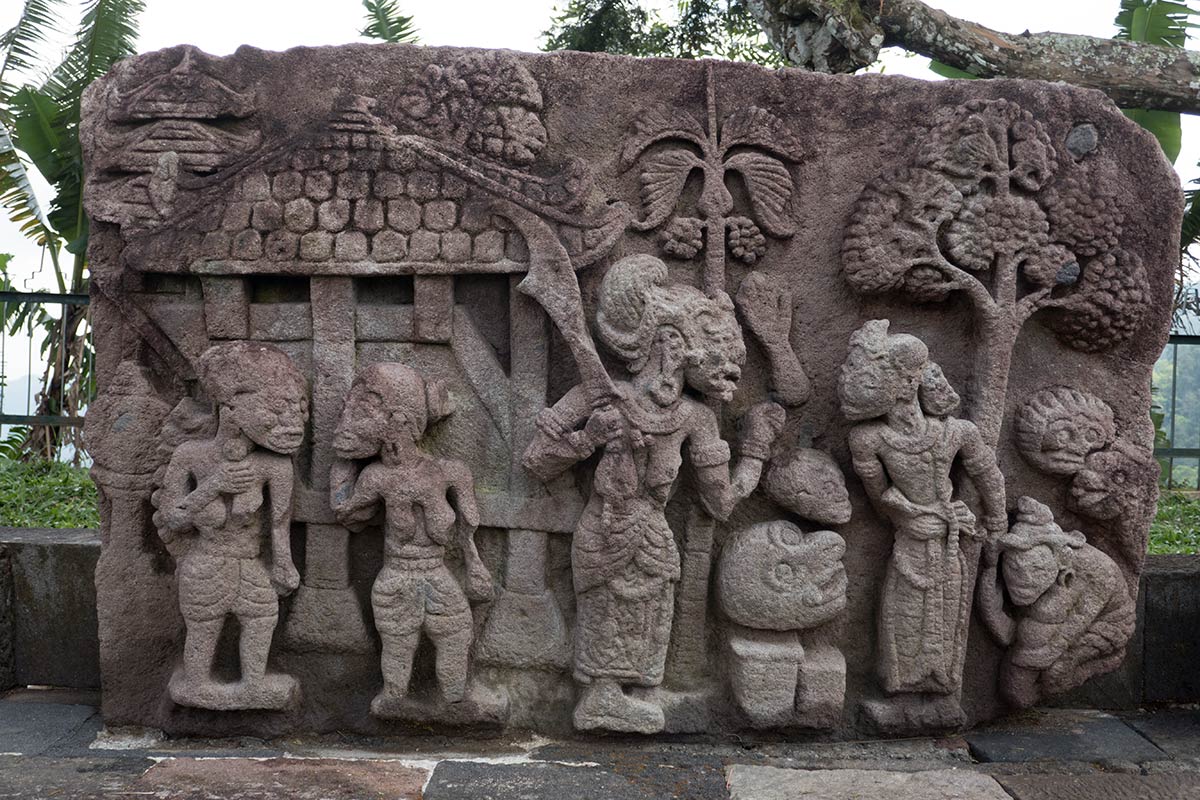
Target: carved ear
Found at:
437, 400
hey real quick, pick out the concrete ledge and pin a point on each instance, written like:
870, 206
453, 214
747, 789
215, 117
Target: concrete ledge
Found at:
48, 623
52, 600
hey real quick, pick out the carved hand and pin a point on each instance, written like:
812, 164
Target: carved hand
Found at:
767, 309
234, 477
605, 425
285, 578
760, 427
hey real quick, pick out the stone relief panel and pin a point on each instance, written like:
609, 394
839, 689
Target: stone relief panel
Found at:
576, 394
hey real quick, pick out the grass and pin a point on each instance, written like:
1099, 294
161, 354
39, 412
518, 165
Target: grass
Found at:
46, 494
1176, 528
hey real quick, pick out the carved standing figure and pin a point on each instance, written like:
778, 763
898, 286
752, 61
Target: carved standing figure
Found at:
219, 489
1073, 614
624, 558
903, 448
429, 506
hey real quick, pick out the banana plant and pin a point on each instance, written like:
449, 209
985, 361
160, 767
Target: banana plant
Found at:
39, 129
752, 142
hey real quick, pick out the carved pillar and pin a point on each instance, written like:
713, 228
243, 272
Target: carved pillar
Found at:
325, 614
525, 627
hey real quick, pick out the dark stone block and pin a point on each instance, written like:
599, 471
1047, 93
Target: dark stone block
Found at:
54, 608
466, 780
35, 728
1175, 730
1062, 736
1175, 786
8, 673
1172, 637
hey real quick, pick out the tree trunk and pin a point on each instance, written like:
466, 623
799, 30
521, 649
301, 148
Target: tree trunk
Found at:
846, 35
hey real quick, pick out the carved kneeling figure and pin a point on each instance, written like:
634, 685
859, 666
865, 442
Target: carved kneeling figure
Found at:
1074, 615
429, 506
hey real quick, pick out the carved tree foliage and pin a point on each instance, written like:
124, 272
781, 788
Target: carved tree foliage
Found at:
989, 208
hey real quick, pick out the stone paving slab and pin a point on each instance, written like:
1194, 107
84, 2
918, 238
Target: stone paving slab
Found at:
772, 783
43, 778
292, 778
1175, 731
1062, 735
462, 780
1174, 786
35, 728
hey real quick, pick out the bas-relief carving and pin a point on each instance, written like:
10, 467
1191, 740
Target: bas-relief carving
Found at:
904, 444
429, 507
218, 495
1071, 614
465, 170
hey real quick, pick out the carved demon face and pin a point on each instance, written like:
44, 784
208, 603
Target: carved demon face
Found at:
272, 417
718, 354
1114, 482
258, 389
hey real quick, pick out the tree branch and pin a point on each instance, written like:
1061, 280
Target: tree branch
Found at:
845, 35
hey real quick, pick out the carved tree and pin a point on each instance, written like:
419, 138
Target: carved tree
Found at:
977, 212
752, 142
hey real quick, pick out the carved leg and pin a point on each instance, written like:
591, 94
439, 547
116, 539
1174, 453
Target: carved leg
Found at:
397, 661
451, 664
603, 705
199, 649
255, 646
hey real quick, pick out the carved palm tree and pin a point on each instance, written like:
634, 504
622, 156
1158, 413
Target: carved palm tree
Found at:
752, 142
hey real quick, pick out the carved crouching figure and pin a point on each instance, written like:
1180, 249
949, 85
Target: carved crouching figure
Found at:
1073, 613
903, 448
624, 558
218, 490
429, 506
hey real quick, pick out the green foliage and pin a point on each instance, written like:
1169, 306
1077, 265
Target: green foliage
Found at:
46, 494
1165, 24
947, 71
1176, 527
386, 23
699, 29
21, 44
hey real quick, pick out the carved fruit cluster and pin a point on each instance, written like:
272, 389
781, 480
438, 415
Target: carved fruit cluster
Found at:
746, 241
683, 237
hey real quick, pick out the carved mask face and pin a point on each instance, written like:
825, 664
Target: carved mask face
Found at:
363, 427
272, 417
1104, 488
1029, 573
1066, 443
718, 355
387, 403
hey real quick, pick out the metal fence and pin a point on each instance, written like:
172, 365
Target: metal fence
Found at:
45, 371
1177, 412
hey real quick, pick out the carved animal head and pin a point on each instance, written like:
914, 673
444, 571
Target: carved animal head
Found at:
387, 401
258, 389
1036, 552
1059, 426
810, 484
880, 370
1116, 482
674, 329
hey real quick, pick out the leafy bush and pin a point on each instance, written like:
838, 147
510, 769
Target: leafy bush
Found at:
46, 494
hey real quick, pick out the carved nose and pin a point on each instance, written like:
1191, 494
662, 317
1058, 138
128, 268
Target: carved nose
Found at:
732, 373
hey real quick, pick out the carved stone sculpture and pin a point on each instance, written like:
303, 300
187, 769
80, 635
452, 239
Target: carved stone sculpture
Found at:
904, 444
636, 282
624, 558
428, 506
1072, 615
222, 493
1058, 427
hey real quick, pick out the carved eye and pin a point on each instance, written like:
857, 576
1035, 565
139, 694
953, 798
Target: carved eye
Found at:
784, 572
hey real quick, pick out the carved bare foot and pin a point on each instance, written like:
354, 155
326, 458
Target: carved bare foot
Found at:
605, 706
767, 309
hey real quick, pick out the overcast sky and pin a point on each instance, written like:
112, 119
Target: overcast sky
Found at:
220, 26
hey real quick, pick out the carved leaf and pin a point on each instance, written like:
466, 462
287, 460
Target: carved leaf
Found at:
757, 127
664, 175
656, 125
769, 185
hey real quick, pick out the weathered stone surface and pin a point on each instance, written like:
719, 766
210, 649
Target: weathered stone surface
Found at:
268, 779
772, 783
8, 671
670, 306
462, 780
1172, 641
1176, 786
